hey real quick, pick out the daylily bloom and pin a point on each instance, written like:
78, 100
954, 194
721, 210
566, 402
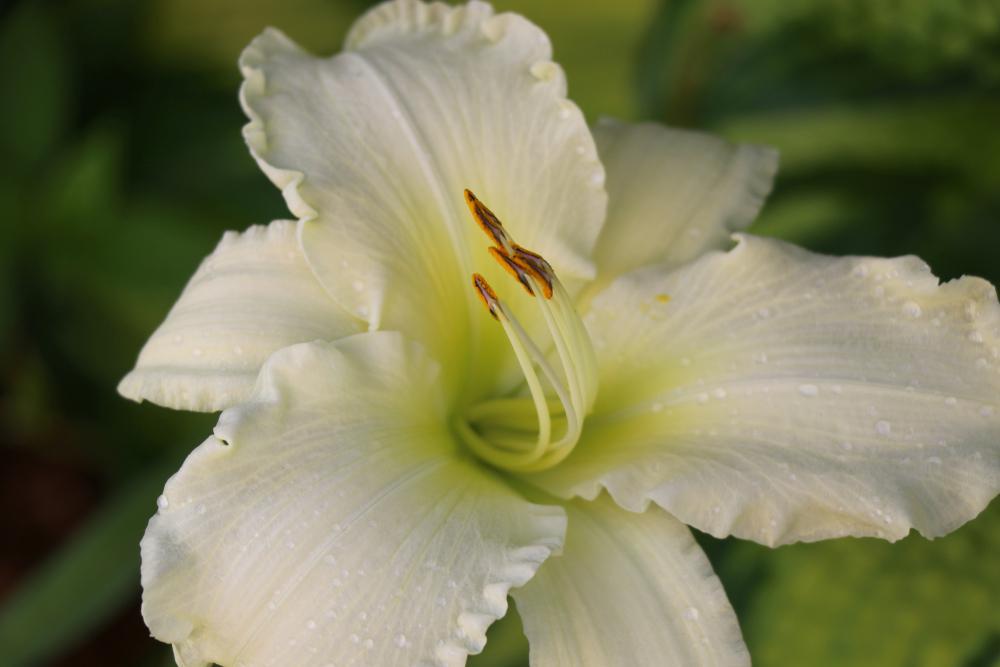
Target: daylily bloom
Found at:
392, 458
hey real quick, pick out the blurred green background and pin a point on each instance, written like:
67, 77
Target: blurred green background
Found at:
121, 163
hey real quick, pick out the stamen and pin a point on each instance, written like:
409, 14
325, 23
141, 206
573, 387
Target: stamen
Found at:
486, 294
489, 222
536, 265
513, 268
504, 435
514, 333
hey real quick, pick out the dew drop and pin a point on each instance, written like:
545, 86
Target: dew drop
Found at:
951, 400
368, 643
691, 614
933, 459
975, 337
200, 509
657, 407
702, 397
719, 392
238, 351
685, 362
401, 641
808, 390
354, 638
986, 411
311, 624
847, 446
162, 503
358, 285
197, 352
912, 309
882, 427
764, 313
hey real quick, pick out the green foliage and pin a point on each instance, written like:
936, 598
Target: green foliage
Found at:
864, 602
84, 583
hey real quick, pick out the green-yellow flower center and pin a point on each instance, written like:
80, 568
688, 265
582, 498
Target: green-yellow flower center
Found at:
532, 432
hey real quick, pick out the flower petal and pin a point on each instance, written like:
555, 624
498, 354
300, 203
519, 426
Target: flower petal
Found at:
674, 194
373, 147
330, 520
778, 395
253, 295
628, 589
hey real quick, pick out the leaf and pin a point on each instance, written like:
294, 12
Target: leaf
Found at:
917, 603
85, 582
506, 645
35, 77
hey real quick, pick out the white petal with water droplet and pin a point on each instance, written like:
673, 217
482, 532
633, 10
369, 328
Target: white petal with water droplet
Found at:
373, 147
324, 496
911, 398
674, 194
252, 296
628, 589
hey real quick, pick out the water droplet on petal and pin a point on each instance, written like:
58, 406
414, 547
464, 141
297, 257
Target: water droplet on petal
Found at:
882, 427
401, 641
162, 503
808, 390
691, 614
912, 309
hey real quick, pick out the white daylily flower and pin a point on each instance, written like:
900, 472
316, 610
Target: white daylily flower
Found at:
365, 496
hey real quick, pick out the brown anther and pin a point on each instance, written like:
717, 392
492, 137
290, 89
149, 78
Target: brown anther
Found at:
486, 295
513, 268
488, 222
535, 265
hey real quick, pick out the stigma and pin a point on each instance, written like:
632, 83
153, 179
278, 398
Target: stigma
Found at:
532, 432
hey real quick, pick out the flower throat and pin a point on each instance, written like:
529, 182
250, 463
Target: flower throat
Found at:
537, 431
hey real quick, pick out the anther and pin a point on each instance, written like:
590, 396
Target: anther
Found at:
489, 222
514, 268
537, 266
486, 295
